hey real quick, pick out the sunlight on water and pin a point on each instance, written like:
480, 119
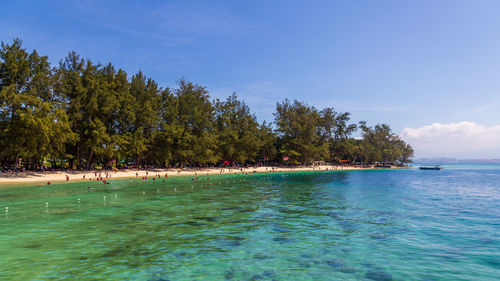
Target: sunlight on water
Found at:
364, 225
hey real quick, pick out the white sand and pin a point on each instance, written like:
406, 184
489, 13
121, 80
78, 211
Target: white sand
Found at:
34, 177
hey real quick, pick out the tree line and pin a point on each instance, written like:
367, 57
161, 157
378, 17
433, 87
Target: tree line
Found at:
85, 114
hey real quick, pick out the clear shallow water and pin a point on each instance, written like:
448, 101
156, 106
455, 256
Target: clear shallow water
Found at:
362, 225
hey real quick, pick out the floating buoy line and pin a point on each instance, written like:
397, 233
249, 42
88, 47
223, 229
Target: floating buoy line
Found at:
144, 192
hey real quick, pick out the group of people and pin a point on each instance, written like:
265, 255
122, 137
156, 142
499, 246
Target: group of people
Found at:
157, 176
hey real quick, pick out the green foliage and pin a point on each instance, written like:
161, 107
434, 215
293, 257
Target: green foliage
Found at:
33, 123
238, 131
196, 141
89, 115
268, 141
306, 135
297, 128
380, 145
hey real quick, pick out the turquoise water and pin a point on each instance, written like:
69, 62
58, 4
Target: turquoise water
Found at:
359, 225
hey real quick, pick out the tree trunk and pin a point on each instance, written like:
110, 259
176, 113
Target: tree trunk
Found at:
90, 157
79, 157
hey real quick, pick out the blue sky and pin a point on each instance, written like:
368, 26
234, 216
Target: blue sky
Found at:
410, 64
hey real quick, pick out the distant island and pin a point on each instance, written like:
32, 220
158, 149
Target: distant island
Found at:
82, 115
445, 160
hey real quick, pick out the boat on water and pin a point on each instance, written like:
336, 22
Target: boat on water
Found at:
437, 167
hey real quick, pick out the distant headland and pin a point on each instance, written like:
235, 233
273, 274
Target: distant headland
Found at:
445, 160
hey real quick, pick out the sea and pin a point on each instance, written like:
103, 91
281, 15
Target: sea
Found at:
381, 225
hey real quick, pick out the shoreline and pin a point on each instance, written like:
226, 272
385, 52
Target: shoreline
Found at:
60, 176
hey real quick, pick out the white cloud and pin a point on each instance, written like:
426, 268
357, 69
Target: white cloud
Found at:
457, 140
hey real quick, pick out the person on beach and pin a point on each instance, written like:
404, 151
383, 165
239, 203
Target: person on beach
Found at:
67, 178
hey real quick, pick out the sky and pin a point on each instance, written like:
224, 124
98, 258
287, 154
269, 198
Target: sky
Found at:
428, 68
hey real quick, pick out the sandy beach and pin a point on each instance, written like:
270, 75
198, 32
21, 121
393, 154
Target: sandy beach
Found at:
60, 176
